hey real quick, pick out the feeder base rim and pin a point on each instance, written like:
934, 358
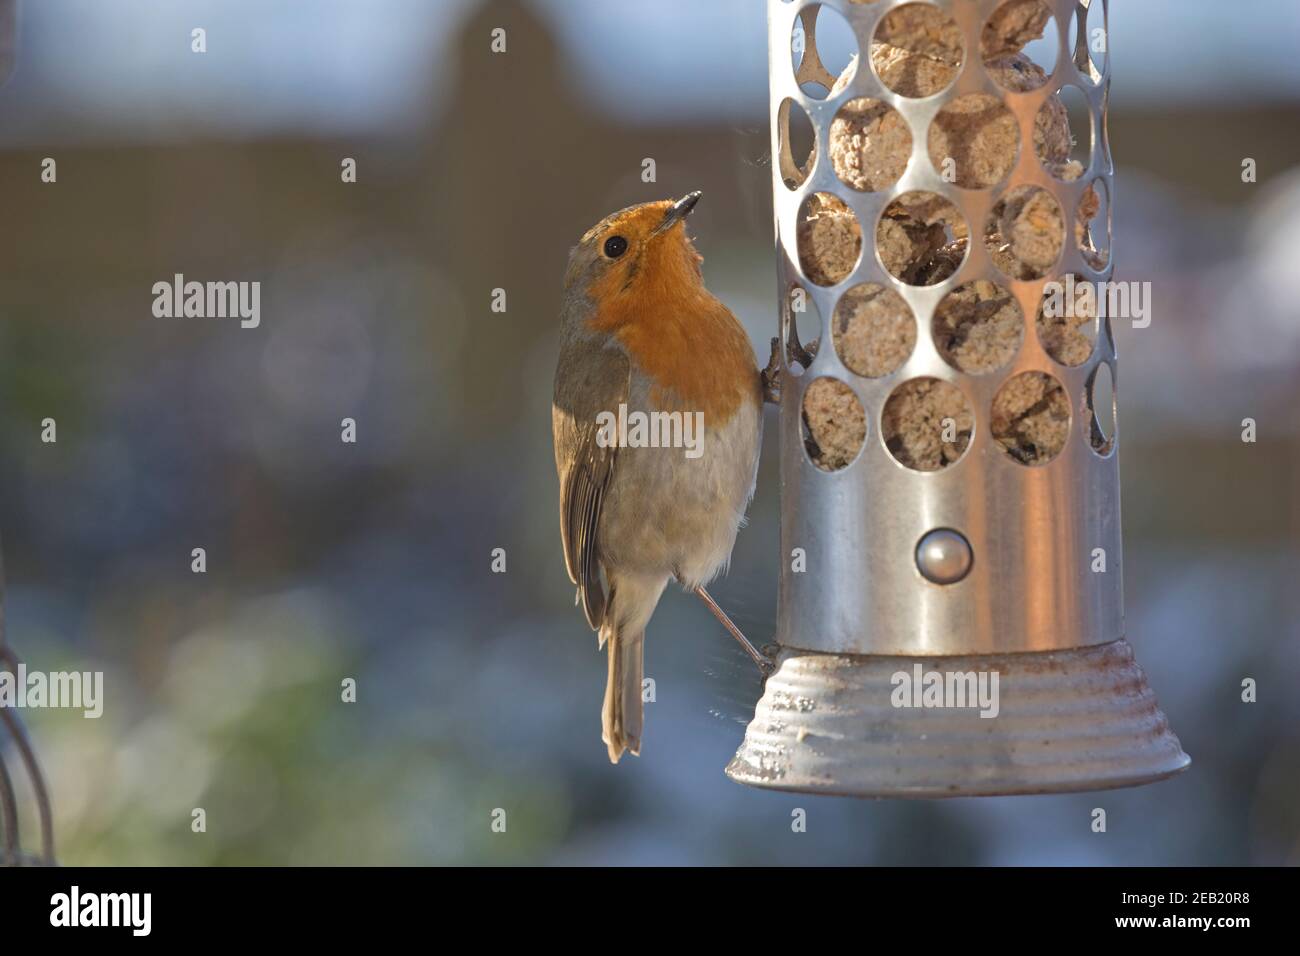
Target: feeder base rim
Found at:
1065, 721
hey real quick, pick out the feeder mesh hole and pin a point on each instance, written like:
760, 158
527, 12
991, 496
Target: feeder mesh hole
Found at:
1031, 418
829, 239
874, 330
1100, 396
978, 327
823, 47
798, 143
1025, 232
802, 329
1090, 40
921, 238
870, 144
1092, 225
926, 424
834, 424
974, 141
1063, 134
1018, 24
917, 50
1066, 331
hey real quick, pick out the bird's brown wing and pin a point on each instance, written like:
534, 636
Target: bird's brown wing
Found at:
589, 379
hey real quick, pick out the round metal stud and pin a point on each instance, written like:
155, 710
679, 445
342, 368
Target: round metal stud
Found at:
944, 556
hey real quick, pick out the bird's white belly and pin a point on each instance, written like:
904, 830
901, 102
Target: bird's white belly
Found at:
668, 514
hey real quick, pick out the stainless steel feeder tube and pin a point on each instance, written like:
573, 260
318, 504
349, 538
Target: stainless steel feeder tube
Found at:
992, 564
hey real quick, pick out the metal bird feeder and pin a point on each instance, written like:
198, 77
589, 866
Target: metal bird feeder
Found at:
987, 566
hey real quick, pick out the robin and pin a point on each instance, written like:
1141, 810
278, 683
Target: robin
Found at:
657, 421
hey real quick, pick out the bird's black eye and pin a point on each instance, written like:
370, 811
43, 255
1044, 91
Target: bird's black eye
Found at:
615, 246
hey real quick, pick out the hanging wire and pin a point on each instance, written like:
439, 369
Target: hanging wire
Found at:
12, 729
11, 726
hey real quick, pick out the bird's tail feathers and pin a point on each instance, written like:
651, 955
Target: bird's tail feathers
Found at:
621, 716
632, 600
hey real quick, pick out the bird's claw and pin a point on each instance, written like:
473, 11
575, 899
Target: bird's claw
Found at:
771, 375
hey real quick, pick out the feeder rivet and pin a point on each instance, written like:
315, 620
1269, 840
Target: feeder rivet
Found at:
943, 556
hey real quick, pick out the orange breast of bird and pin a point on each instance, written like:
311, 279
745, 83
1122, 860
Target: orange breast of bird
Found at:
682, 338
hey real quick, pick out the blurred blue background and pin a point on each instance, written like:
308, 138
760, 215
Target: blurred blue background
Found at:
476, 690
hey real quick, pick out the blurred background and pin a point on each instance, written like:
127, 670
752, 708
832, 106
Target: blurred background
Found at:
326, 560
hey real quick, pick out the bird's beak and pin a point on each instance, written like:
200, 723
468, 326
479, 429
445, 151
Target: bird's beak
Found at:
679, 210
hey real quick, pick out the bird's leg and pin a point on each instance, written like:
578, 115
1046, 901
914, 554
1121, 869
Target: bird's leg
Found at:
765, 664
771, 375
